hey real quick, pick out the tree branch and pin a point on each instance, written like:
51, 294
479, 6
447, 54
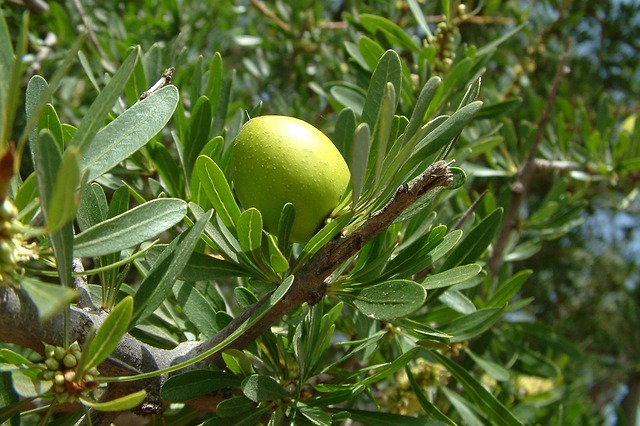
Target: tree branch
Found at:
520, 187
20, 324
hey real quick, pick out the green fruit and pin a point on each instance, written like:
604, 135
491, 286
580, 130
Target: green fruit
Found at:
276, 160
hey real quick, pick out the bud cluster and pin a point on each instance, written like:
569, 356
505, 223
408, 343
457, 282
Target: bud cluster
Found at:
15, 249
59, 367
444, 39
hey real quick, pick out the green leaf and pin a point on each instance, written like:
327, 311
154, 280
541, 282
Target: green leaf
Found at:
93, 207
259, 388
130, 228
49, 120
429, 408
457, 301
215, 238
386, 370
64, 199
94, 117
395, 34
122, 137
202, 267
249, 229
493, 369
48, 298
285, 223
196, 307
509, 289
48, 159
422, 104
108, 335
123, 403
377, 418
451, 277
472, 325
192, 384
390, 299
238, 362
165, 270
476, 241
228, 409
343, 132
198, 133
359, 160
388, 70
217, 189
497, 413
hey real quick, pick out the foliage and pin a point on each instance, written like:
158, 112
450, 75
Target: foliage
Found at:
412, 305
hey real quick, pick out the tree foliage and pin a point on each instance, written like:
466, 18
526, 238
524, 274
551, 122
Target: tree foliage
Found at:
450, 286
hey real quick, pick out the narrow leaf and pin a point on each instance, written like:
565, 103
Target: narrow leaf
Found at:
192, 384
109, 334
217, 189
64, 199
391, 299
130, 228
259, 388
119, 404
164, 272
94, 117
119, 139
48, 298
494, 409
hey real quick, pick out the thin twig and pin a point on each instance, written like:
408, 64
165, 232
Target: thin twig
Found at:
163, 81
520, 188
264, 9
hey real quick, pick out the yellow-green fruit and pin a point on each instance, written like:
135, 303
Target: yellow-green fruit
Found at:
276, 160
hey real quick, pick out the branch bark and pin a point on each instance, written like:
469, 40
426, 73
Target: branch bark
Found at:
20, 325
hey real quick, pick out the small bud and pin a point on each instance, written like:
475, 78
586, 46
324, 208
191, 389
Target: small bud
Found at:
49, 350
74, 347
58, 379
59, 353
52, 364
69, 361
89, 378
47, 375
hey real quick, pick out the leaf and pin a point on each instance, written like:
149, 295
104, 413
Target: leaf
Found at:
108, 335
343, 132
457, 301
497, 413
130, 228
48, 298
64, 199
496, 371
377, 418
390, 299
259, 388
93, 207
192, 384
122, 137
230, 408
218, 191
198, 132
202, 267
48, 160
386, 370
249, 229
451, 277
123, 403
388, 70
359, 160
429, 408
94, 117
508, 289
395, 34
476, 241
285, 223
237, 362
165, 270
197, 308
472, 325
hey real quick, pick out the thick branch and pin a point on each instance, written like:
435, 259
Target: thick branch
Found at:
20, 324
309, 285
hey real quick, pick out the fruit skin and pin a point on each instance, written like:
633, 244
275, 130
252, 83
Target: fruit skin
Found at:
278, 159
